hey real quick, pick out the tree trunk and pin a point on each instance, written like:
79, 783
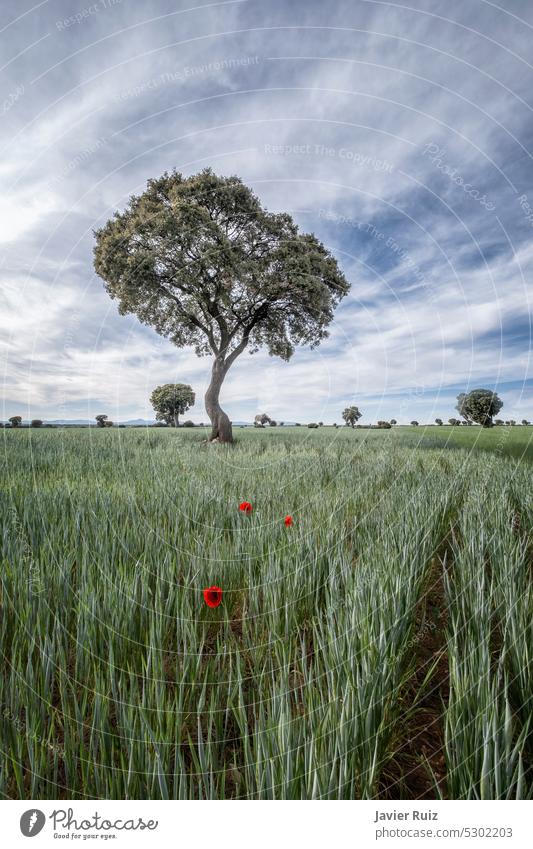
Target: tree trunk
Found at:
220, 423
176, 421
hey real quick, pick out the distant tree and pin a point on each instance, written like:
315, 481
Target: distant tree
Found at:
261, 420
351, 415
188, 423
525, 422
321, 424
312, 424
36, 423
384, 424
200, 260
414, 423
16, 421
297, 424
438, 422
479, 405
108, 423
273, 423
499, 422
454, 422
101, 420
393, 421
281, 424
335, 424
172, 400
512, 422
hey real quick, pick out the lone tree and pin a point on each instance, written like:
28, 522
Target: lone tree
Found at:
16, 421
351, 415
438, 422
203, 263
101, 420
479, 405
261, 420
414, 423
36, 423
172, 400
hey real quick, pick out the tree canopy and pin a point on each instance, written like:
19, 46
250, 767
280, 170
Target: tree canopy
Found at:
172, 400
479, 405
202, 262
351, 415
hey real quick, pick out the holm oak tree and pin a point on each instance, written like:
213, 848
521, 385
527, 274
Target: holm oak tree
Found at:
172, 400
479, 405
202, 262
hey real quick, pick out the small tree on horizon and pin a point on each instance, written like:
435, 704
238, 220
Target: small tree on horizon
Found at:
438, 422
36, 423
101, 420
16, 421
351, 415
261, 420
393, 421
172, 400
201, 261
414, 423
479, 405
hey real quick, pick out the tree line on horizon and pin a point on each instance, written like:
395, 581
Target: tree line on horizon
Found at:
171, 400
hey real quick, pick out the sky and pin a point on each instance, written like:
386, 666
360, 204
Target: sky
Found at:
399, 133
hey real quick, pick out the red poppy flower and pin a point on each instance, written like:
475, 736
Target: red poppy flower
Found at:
245, 507
212, 596
288, 520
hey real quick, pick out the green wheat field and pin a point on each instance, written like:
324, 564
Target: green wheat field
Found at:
381, 647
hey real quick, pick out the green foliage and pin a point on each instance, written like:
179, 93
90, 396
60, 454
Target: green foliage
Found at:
203, 263
312, 424
36, 423
172, 400
16, 421
188, 423
479, 405
414, 423
438, 422
101, 420
351, 415
299, 686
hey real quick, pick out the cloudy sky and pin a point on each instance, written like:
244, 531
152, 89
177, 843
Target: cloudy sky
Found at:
400, 133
